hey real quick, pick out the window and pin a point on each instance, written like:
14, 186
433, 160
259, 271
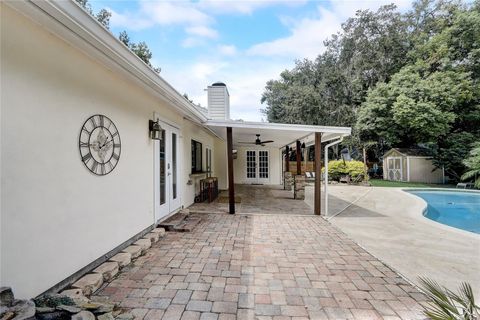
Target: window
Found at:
196, 157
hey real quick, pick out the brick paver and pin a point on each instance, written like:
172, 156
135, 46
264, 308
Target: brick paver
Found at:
261, 267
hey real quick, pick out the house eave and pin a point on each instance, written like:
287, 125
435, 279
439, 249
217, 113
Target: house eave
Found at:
73, 24
278, 126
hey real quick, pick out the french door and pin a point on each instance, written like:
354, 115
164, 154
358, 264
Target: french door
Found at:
167, 171
394, 168
257, 166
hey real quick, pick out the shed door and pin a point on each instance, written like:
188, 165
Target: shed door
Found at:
394, 168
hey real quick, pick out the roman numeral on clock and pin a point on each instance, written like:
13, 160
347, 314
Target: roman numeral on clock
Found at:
94, 166
87, 157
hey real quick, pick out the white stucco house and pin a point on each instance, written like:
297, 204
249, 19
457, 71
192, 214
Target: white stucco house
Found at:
81, 176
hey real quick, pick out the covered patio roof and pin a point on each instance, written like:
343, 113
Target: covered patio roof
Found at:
281, 133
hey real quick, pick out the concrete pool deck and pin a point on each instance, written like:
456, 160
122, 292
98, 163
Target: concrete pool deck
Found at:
389, 224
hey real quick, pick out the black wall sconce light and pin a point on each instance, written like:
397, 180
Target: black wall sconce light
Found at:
303, 145
155, 129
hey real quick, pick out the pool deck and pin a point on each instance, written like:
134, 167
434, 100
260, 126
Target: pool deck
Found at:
389, 224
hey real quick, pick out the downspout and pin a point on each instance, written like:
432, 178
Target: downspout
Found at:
326, 172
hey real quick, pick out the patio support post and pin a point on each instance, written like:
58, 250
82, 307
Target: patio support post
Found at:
299, 158
231, 183
318, 174
287, 166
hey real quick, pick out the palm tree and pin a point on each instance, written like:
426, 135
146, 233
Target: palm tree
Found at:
448, 305
473, 165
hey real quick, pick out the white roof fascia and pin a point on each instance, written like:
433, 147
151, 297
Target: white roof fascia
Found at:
72, 23
279, 126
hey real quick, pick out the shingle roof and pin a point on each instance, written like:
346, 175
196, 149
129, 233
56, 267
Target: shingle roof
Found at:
413, 152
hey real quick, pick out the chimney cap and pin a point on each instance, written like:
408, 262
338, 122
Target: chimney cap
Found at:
219, 84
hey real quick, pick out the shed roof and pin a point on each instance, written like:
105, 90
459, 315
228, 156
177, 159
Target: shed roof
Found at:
410, 152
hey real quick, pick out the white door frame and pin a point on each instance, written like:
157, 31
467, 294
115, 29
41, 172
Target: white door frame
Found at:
394, 169
257, 179
172, 193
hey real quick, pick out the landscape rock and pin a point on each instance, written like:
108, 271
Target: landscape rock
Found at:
6, 296
144, 244
152, 236
71, 309
135, 251
104, 308
125, 316
122, 258
7, 315
44, 309
160, 231
56, 315
108, 270
76, 295
53, 300
23, 309
89, 283
106, 316
83, 315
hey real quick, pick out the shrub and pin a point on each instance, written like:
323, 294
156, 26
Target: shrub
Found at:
338, 168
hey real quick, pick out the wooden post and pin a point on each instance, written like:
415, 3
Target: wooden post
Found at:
318, 174
231, 183
299, 158
287, 166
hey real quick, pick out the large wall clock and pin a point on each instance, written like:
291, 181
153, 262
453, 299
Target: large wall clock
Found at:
99, 145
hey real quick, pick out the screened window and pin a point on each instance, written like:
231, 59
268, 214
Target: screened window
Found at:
196, 156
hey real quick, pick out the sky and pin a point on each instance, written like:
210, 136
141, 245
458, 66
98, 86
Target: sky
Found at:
241, 43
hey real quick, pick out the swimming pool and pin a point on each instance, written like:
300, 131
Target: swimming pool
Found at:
457, 209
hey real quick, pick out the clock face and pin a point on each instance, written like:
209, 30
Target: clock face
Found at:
99, 144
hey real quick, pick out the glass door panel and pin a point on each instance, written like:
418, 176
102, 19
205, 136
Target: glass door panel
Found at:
251, 165
263, 164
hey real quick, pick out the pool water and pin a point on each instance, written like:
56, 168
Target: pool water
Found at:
454, 208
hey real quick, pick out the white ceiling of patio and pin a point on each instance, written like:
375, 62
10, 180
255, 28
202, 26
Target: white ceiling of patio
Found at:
281, 134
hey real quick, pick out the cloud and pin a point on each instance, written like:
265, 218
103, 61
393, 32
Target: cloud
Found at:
306, 38
227, 50
161, 13
244, 6
308, 34
202, 31
245, 78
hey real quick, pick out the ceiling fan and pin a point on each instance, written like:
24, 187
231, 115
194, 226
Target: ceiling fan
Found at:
258, 142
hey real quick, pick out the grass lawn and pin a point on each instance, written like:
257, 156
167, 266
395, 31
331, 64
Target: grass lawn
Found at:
399, 184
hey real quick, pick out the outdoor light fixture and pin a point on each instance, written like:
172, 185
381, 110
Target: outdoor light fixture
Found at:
155, 129
303, 145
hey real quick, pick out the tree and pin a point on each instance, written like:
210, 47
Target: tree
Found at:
141, 49
434, 101
103, 16
370, 48
473, 165
413, 107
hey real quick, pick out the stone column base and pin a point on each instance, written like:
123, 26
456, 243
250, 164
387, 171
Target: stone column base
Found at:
299, 191
288, 181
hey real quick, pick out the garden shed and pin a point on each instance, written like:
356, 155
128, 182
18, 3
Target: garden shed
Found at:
411, 165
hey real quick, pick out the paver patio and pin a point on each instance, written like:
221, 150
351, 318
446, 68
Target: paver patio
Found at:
257, 199
262, 267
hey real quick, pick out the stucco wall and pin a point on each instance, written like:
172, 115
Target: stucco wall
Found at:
57, 217
423, 170
200, 134
240, 165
